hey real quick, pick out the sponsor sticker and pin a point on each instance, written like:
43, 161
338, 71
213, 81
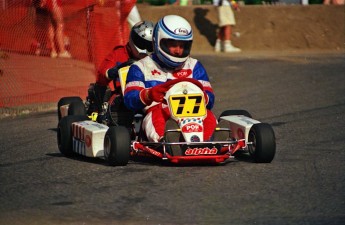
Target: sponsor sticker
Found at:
181, 31
195, 138
182, 73
240, 133
201, 151
191, 127
88, 141
155, 72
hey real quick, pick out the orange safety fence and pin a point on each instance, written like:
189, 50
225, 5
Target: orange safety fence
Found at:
91, 31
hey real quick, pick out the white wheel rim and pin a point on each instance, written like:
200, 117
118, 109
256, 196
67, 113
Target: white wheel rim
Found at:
252, 139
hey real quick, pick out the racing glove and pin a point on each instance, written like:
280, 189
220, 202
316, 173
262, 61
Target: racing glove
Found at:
156, 93
113, 72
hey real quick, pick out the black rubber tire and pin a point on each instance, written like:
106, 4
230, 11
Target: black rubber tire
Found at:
67, 101
235, 112
263, 148
64, 134
117, 146
77, 108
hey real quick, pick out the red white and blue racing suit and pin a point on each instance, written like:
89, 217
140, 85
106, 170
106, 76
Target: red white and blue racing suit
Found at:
149, 72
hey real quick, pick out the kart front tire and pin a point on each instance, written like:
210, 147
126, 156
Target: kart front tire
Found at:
64, 134
67, 101
117, 146
263, 145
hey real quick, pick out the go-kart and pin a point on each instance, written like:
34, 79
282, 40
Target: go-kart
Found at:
80, 133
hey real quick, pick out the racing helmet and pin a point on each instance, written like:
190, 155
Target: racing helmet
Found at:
172, 27
140, 39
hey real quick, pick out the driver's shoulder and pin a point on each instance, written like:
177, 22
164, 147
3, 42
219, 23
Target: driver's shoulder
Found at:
145, 63
191, 62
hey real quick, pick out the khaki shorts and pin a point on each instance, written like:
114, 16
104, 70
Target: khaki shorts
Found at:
225, 16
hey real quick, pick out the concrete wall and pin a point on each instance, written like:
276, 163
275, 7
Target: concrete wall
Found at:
289, 27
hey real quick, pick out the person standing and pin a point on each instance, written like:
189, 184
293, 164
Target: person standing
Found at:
56, 25
49, 27
333, 2
133, 16
226, 20
41, 27
126, 12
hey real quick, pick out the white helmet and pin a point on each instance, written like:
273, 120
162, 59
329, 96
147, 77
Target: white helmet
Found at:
140, 39
172, 27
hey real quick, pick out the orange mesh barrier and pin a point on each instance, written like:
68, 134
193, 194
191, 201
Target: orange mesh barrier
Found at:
91, 31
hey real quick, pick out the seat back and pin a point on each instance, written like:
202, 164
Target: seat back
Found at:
123, 76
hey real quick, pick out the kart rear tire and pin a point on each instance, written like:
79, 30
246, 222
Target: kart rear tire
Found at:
77, 108
235, 112
67, 101
264, 145
64, 134
117, 146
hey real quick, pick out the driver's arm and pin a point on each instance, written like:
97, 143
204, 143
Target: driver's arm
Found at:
200, 74
134, 84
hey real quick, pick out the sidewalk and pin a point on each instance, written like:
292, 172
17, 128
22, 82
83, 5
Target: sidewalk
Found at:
32, 83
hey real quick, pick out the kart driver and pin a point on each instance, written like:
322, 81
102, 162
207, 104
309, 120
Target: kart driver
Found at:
172, 42
138, 46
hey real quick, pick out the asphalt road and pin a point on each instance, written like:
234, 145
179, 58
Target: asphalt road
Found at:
301, 96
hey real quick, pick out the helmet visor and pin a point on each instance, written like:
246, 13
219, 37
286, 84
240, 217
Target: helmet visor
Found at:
141, 43
176, 48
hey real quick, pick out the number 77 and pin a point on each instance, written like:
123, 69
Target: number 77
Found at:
188, 101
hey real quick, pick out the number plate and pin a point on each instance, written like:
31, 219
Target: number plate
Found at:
192, 105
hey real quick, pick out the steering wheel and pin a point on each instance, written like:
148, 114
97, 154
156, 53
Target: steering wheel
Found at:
170, 83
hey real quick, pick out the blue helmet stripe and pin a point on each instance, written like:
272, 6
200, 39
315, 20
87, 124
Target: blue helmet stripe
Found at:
171, 33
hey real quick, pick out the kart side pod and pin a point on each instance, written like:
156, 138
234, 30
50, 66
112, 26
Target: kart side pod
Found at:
240, 125
88, 138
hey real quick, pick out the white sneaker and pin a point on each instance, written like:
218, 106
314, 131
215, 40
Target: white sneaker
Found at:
65, 54
53, 54
218, 46
38, 49
66, 42
231, 49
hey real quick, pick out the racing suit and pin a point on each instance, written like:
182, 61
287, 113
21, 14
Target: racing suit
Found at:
149, 72
118, 55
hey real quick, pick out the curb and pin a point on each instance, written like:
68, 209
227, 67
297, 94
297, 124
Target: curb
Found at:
26, 109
